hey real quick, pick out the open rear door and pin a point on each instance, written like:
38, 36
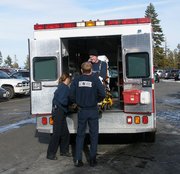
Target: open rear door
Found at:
138, 72
44, 72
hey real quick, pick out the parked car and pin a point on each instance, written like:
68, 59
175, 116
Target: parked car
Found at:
9, 71
159, 72
13, 86
173, 73
169, 74
21, 75
3, 93
177, 76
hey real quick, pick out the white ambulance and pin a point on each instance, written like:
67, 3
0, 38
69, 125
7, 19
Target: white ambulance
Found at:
127, 43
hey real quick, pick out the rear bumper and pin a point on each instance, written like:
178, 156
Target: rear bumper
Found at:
109, 123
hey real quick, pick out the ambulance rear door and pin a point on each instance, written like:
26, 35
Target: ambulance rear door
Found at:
138, 73
44, 72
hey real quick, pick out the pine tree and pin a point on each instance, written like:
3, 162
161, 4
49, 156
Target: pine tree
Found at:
1, 58
158, 35
26, 63
8, 61
177, 56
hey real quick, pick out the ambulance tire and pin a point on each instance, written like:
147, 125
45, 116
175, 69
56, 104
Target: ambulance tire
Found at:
149, 137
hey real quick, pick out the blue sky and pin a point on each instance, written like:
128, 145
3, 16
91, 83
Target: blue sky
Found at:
17, 18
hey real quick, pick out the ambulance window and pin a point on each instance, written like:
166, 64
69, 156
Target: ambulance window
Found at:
45, 68
137, 65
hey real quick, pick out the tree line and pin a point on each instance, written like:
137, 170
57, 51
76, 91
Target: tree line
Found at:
163, 57
8, 62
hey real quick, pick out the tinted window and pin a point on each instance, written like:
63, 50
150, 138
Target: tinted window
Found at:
4, 75
137, 65
45, 68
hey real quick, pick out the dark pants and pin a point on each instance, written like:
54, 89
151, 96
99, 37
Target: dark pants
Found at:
85, 117
60, 134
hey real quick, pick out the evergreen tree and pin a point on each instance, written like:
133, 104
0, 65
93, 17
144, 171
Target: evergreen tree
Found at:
177, 56
8, 61
1, 58
158, 35
26, 63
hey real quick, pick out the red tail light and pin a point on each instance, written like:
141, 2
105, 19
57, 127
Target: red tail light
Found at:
44, 121
145, 119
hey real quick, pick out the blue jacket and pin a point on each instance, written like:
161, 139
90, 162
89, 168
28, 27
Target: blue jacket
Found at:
86, 91
100, 68
61, 96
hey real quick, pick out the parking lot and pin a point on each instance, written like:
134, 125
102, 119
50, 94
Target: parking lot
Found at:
23, 152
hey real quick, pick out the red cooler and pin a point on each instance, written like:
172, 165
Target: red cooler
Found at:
131, 97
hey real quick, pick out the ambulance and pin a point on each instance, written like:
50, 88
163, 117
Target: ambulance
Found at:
128, 45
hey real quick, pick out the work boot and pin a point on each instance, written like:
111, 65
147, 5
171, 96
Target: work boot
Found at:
92, 162
78, 163
67, 154
51, 157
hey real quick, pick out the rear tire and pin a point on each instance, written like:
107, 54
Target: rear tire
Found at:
10, 91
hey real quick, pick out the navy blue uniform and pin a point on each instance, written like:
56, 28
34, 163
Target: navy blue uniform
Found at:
100, 68
60, 130
86, 92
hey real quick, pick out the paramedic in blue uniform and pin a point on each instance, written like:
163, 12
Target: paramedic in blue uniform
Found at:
60, 134
98, 67
86, 91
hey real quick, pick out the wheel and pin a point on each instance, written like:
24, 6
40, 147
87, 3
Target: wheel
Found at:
150, 137
10, 91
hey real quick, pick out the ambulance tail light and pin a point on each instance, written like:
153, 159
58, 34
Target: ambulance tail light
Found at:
129, 119
137, 119
44, 120
51, 121
145, 119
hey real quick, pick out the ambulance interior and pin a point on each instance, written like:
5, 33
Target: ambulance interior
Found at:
75, 52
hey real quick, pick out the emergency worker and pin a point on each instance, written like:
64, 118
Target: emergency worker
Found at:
60, 134
98, 67
86, 91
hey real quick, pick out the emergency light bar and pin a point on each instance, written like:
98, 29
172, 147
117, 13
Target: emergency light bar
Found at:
92, 23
